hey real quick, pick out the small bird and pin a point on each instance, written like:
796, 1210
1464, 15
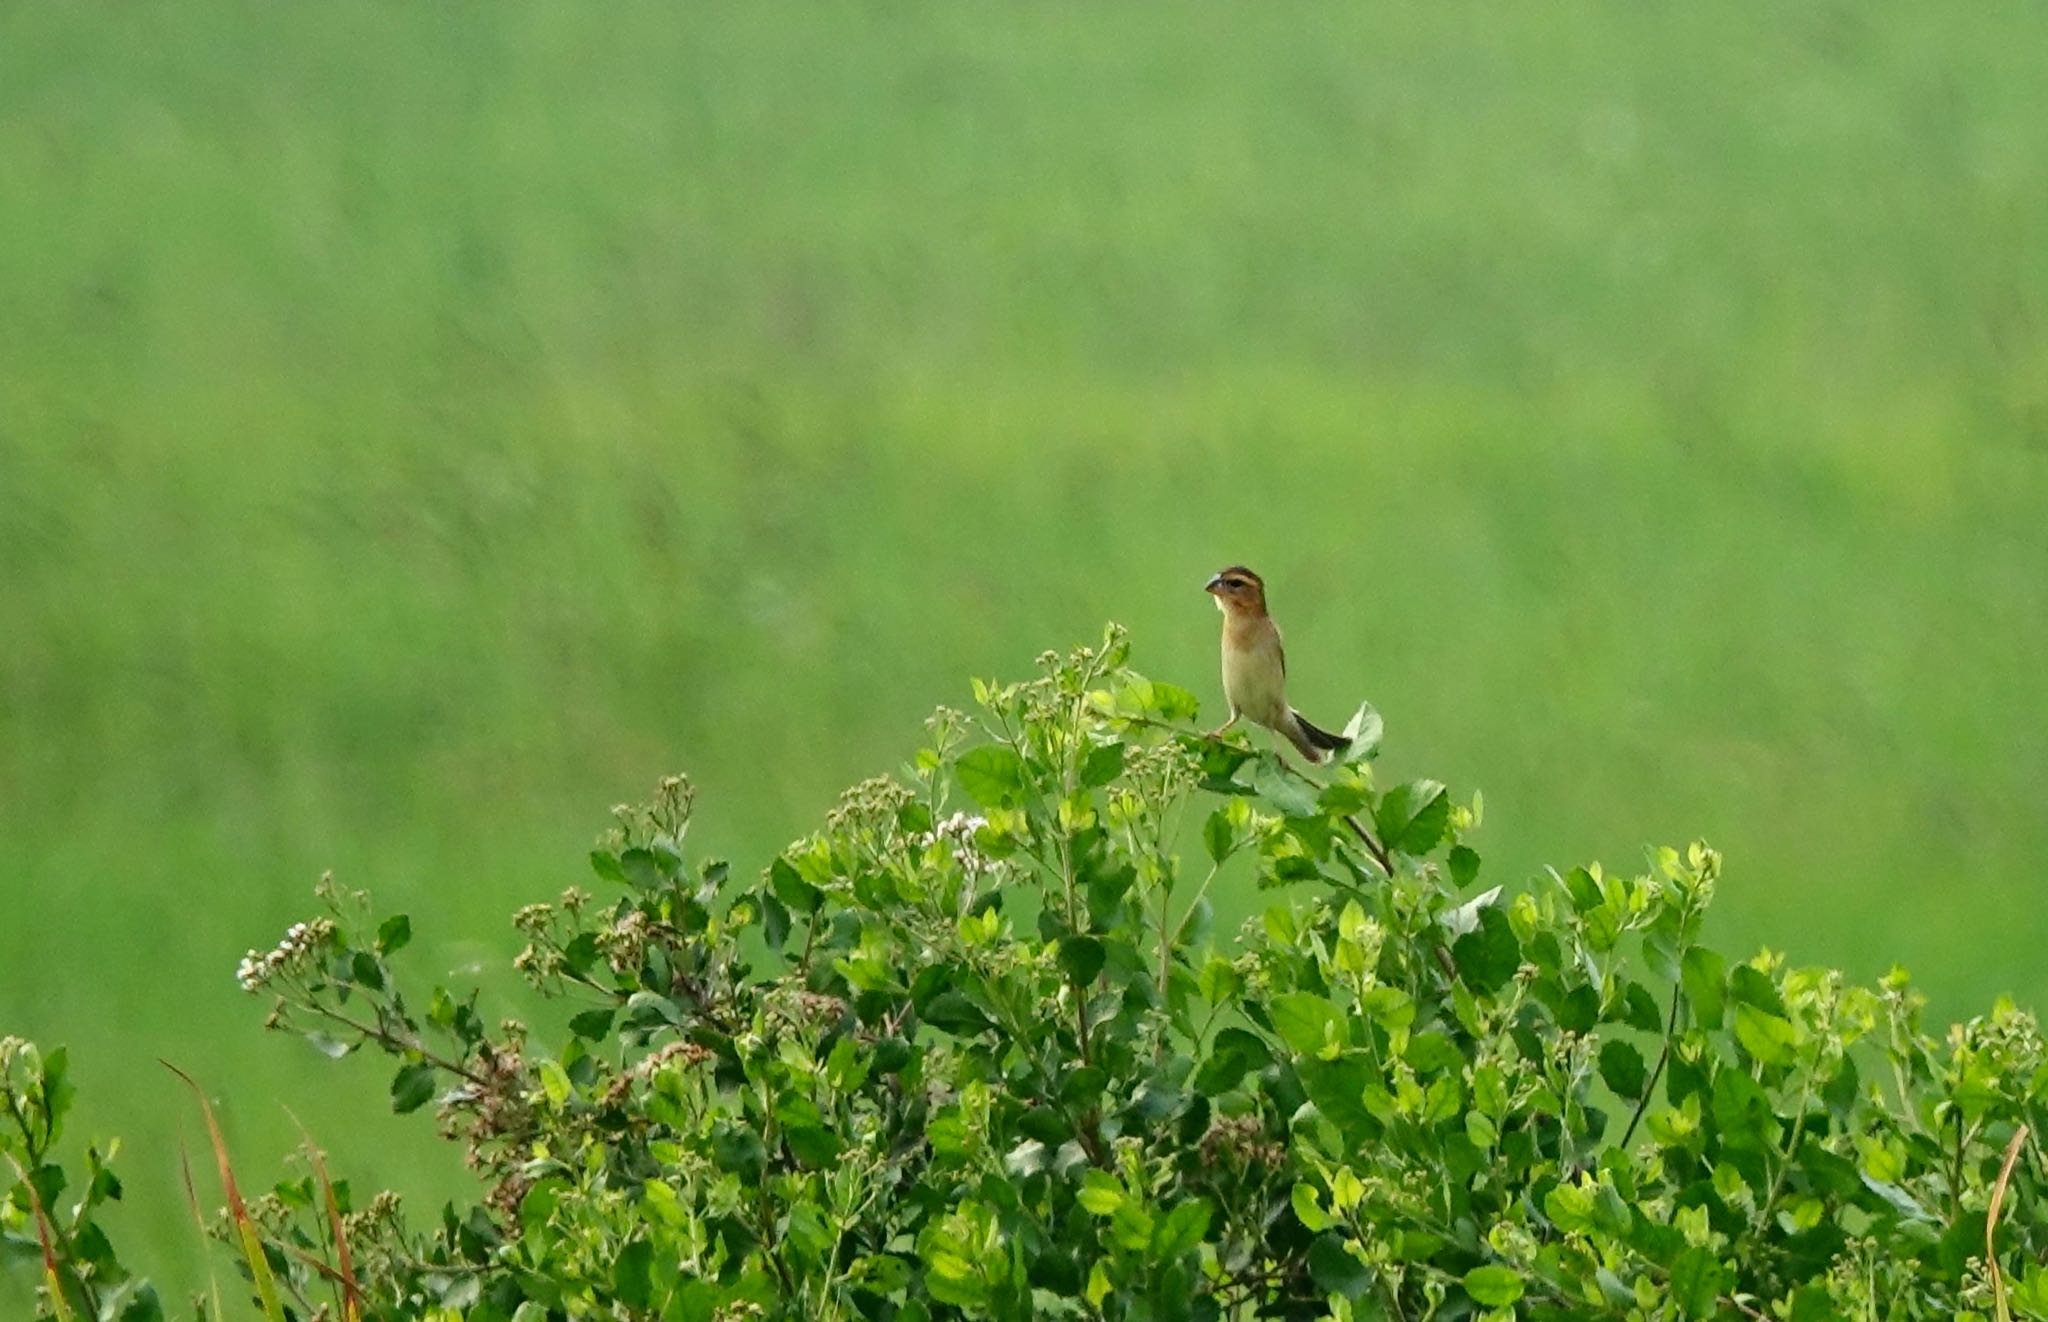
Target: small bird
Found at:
1255, 667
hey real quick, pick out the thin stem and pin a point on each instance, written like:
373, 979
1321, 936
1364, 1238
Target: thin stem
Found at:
1895, 1054
803, 963
1372, 846
1955, 1179
30, 1148
393, 1042
1200, 891
1763, 1211
1083, 1029
1166, 945
1656, 1071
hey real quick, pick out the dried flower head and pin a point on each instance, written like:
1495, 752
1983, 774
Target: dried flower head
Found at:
871, 805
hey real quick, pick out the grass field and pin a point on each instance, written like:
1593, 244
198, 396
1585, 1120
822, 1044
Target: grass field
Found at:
421, 427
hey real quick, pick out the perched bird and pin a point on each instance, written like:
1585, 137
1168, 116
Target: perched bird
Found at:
1255, 667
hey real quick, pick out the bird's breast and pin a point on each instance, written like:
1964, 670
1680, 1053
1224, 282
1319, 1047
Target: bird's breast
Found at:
1253, 677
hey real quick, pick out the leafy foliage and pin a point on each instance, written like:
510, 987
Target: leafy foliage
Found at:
973, 1050
78, 1272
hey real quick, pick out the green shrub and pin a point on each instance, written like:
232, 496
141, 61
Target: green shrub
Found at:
973, 1050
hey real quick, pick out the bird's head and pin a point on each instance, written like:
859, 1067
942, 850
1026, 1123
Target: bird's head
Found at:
1238, 591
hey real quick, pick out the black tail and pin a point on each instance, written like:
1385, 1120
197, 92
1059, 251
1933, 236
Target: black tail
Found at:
1320, 738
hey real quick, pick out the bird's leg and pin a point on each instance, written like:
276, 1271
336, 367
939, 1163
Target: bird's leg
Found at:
1217, 733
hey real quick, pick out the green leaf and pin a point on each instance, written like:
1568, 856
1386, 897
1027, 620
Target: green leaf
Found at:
1569, 1207
640, 868
1464, 866
393, 933
1389, 1006
1104, 763
1639, 1010
1218, 836
633, 1273
1308, 1208
1083, 1084
1488, 956
891, 1055
1697, 1282
1342, 798
1580, 1009
739, 1150
1602, 927
1100, 1193
1364, 730
1180, 1230
592, 1024
950, 1275
1901, 1202
1763, 1035
1704, 975
1432, 1051
774, 920
1237, 1052
1279, 787
1219, 980
1621, 1065
1081, 957
992, 775
1338, 1087
1493, 1286
363, 967
813, 1145
1749, 985
1412, 817
411, 1087
1335, 1270
1168, 702
554, 1082
789, 887
1742, 1111
955, 1013
648, 1009
1305, 1021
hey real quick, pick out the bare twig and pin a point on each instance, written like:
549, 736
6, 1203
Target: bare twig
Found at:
1372, 846
1663, 1057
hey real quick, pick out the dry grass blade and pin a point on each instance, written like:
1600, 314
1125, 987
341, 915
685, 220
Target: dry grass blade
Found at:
199, 1219
344, 1261
2000, 1308
245, 1225
53, 1278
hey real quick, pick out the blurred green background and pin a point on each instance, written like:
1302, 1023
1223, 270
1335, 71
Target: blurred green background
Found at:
421, 426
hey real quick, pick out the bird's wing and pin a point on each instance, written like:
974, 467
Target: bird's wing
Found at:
1280, 651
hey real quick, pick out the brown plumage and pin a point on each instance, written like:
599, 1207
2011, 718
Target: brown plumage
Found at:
1255, 665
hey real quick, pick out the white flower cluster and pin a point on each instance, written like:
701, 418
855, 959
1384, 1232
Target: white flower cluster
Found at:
258, 967
958, 831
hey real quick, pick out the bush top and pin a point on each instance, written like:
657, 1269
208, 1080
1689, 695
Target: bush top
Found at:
973, 1049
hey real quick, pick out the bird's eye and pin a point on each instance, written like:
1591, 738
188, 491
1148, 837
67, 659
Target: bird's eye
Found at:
1233, 582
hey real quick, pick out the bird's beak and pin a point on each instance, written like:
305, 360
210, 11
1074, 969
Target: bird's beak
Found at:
1215, 581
